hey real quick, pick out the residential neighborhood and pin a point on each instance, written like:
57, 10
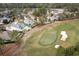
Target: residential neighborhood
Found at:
26, 22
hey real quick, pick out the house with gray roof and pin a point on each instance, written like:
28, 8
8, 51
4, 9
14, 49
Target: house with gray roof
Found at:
18, 27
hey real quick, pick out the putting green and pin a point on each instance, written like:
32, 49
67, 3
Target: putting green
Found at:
48, 37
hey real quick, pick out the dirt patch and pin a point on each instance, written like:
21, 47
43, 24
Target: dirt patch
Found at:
9, 49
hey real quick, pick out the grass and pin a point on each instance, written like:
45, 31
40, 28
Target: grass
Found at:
13, 34
44, 39
42, 42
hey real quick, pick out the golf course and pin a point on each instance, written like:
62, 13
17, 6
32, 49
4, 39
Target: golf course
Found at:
42, 42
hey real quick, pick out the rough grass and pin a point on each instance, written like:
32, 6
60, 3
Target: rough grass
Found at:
33, 47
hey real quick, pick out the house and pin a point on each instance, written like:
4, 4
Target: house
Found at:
5, 16
57, 11
54, 15
28, 21
52, 18
4, 20
18, 26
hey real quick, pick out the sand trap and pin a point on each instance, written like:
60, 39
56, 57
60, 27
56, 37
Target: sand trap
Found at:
57, 46
64, 35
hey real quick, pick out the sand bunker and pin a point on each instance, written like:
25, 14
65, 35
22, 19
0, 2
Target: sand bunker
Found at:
64, 35
57, 46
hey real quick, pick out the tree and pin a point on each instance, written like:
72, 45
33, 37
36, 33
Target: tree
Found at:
41, 13
60, 51
72, 51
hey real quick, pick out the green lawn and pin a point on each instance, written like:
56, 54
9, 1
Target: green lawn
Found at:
42, 42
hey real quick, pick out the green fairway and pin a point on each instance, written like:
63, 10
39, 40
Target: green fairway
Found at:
43, 42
